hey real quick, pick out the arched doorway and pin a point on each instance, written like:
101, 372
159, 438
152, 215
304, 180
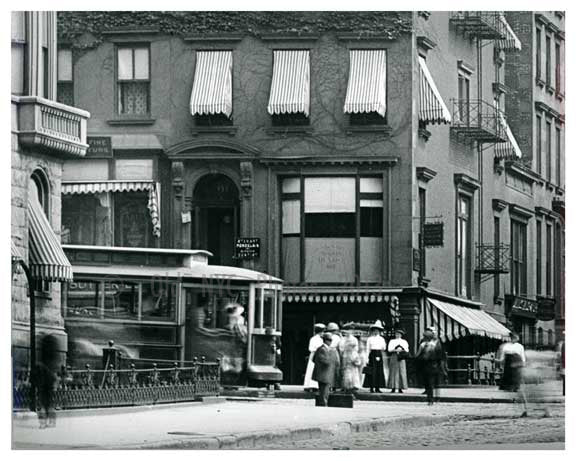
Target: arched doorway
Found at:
216, 217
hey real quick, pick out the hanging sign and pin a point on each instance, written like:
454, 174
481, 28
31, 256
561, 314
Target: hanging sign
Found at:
433, 234
99, 146
247, 248
546, 309
521, 307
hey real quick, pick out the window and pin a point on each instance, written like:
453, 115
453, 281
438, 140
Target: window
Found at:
558, 157
531, 336
65, 89
45, 74
295, 119
206, 120
518, 243
19, 71
540, 337
538, 54
40, 190
422, 221
79, 219
539, 144
548, 150
549, 288
550, 338
332, 229
133, 70
558, 67
132, 226
538, 257
497, 253
464, 98
463, 245
548, 62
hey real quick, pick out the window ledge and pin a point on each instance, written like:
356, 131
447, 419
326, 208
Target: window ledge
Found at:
132, 121
229, 130
550, 89
550, 186
42, 295
560, 96
539, 82
289, 130
424, 133
383, 129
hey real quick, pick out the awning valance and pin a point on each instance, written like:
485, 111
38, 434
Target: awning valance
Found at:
510, 148
290, 90
212, 87
366, 82
452, 321
511, 42
338, 295
98, 187
47, 259
432, 108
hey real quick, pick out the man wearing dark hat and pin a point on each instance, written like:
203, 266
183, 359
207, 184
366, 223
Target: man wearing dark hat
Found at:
326, 366
432, 362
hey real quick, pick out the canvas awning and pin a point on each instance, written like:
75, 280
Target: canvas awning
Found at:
212, 87
366, 82
510, 148
98, 187
511, 42
432, 108
47, 259
453, 321
290, 90
16, 255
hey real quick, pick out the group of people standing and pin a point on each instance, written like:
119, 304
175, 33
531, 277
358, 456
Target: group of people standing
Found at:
353, 358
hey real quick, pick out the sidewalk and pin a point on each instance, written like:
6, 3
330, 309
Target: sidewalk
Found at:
244, 423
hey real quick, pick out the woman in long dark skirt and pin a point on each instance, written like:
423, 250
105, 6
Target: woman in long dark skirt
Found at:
513, 358
376, 348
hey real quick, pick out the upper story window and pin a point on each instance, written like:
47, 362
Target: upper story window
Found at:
463, 95
549, 150
463, 246
518, 255
40, 190
65, 89
539, 144
548, 61
558, 156
558, 67
538, 54
211, 98
289, 103
366, 92
19, 49
133, 80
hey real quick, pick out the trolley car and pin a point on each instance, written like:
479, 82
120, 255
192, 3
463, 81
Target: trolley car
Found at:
171, 305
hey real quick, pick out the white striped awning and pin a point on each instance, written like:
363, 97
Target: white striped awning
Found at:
452, 321
98, 187
16, 254
511, 42
366, 82
290, 90
432, 108
212, 87
47, 259
510, 148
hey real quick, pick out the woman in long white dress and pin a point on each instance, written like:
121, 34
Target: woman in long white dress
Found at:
351, 363
314, 343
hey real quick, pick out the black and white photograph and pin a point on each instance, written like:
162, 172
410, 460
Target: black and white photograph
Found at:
297, 228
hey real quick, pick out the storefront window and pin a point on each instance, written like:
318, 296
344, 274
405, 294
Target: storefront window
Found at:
158, 301
84, 299
121, 300
132, 220
79, 224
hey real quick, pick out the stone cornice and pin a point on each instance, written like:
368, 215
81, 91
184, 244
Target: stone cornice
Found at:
466, 182
425, 174
498, 204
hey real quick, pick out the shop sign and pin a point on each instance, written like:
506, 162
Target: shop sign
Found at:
99, 146
434, 234
247, 248
522, 307
546, 309
416, 260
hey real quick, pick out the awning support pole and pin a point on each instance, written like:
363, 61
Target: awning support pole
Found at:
31, 280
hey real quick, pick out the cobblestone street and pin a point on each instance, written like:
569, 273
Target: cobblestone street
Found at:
494, 427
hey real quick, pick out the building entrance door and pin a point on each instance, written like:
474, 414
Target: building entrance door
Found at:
216, 213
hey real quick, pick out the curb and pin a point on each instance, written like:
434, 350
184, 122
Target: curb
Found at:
258, 440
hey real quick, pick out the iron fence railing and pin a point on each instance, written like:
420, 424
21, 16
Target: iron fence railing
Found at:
478, 119
91, 388
473, 369
484, 24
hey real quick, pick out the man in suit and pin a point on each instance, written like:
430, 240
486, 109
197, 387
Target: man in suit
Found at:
326, 366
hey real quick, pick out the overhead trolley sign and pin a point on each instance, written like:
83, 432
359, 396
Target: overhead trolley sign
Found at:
247, 248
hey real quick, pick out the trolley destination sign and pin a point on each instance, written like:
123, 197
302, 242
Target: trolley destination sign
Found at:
247, 248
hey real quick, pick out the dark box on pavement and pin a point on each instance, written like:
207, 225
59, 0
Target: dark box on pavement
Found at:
341, 400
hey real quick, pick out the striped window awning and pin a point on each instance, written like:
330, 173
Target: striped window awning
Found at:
511, 42
432, 108
290, 90
452, 321
47, 259
212, 87
99, 187
509, 148
366, 82
16, 254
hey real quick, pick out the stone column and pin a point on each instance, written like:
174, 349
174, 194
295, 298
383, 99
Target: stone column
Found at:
410, 315
178, 202
246, 205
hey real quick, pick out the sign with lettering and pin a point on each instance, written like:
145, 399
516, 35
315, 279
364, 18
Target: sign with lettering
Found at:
416, 260
521, 307
99, 146
247, 248
546, 309
434, 234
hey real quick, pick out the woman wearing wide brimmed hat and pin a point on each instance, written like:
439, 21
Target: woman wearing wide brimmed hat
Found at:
376, 347
398, 350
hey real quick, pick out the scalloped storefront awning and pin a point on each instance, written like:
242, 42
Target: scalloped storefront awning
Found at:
99, 187
432, 108
290, 90
212, 87
366, 82
339, 295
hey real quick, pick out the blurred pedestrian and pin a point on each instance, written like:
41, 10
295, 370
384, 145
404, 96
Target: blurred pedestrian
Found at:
431, 360
561, 360
314, 343
46, 380
376, 348
399, 350
326, 366
513, 359
350, 363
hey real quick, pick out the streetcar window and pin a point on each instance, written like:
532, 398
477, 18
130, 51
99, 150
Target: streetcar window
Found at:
83, 299
121, 300
158, 300
258, 308
269, 309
